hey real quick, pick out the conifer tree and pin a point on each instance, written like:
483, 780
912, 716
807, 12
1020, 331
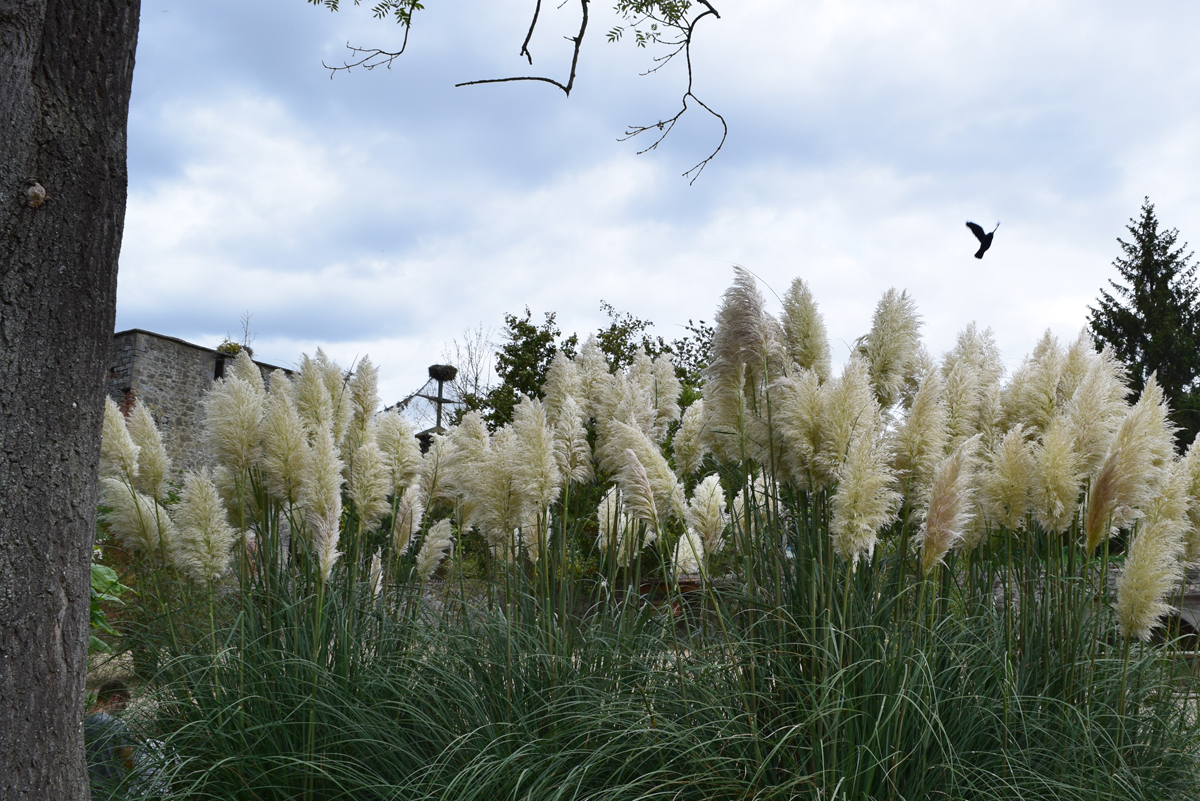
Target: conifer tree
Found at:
1152, 321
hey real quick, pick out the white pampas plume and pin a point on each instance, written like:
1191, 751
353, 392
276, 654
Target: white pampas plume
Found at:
363, 401
946, 511
892, 345
920, 440
438, 544
1039, 400
1096, 408
375, 576
204, 540
689, 554
804, 331
665, 389
400, 449
118, 451
848, 408
690, 445
1006, 480
798, 415
1152, 570
432, 481
245, 369
233, 411
407, 520
668, 494
746, 356
312, 398
630, 400
322, 501
370, 481
960, 396
594, 377
1190, 467
1079, 358
153, 462
139, 522
534, 467
562, 382
865, 500
496, 505
335, 384
1057, 482
571, 448
637, 492
285, 444
706, 514
1132, 469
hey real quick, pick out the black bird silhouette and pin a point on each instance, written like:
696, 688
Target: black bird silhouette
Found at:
985, 240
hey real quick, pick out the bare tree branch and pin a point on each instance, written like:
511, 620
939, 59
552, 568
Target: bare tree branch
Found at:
660, 16
533, 24
370, 57
578, 43
664, 126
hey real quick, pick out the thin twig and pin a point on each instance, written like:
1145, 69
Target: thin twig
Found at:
578, 43
533, 24
666, 125
368, 54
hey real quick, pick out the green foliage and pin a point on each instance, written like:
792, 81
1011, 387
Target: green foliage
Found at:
400, 10
798, 677
106, 589
625, 337
649, 19
522, 362
1152, 322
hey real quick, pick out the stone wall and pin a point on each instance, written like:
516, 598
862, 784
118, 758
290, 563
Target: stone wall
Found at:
170, 377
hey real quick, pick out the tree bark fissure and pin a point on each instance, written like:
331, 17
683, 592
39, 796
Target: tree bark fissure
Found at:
66, 69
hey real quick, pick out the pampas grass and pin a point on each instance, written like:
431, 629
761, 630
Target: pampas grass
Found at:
118, 451
705, 514
438, 544
1054, 491
892, 346
153, 463
285, 451
1006, 479
864, 501
233, 413
369, 485
204, 539
804, 331
947, 508
322, 501
1133, 467
140, 523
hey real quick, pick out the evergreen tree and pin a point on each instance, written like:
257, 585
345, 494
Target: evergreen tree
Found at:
1152, 322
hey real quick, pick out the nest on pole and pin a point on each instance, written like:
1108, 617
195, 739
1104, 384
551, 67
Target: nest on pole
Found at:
442, 372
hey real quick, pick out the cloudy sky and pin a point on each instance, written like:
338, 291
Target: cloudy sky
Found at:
386, 212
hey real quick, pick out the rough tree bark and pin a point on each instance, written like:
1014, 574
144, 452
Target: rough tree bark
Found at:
66, 67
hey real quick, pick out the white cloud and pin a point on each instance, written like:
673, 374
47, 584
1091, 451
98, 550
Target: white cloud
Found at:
382, 214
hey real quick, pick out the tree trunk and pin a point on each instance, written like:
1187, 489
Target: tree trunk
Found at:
66, 67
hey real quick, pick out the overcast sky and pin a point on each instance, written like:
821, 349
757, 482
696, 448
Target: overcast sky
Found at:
385, 212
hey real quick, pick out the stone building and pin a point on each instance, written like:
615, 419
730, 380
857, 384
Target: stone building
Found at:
170, 377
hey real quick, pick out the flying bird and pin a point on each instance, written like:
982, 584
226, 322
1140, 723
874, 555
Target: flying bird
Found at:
985, 239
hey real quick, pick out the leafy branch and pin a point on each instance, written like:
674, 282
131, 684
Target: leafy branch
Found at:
670, 24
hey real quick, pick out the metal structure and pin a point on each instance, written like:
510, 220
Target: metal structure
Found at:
441, 374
